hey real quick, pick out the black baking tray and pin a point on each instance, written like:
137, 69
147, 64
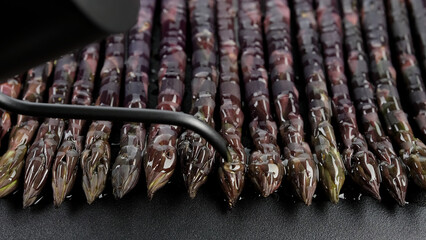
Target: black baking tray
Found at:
172, 214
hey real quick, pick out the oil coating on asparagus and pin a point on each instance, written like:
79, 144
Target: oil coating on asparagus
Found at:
64, 169
418, 15
265, 166
161, 154
301, 167
196, 154
359, 162
412, 150
231, 173
410, 69
128, 164
11, 87
22, 133
391, 167
96, 157
49, 135
331, 168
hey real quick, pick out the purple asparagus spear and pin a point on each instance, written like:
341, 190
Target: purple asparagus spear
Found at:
265, 166
22, 133
392, 170
196, 154
412, 150
96, 157
64, 169
360, 163
49, 135
231, 173
411, 73
301, 167
11, 87
418, 12
160, 158
332, 171
128, 164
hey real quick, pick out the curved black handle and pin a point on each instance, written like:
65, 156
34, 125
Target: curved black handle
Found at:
116, 114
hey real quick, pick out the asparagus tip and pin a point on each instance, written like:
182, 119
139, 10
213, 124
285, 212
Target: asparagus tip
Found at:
333, 195
308, 194
231, 176
192, 190
28, 199
264, 173
155, 181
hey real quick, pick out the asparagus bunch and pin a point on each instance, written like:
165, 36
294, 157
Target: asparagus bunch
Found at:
265, 166
11, 87
411, 73
160, 158
412, 150
391, 168
64, 169
128, 164
49, 135
332, 172
232, 171
22, 133
301, 167
96, 156
359, 161
418, 12
196, 154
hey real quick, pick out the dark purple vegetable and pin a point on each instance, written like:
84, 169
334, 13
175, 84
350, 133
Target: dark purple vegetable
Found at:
161, 154
418, 15
392, 170
232, 171
64, 169
360, 163
22, 133
332, 171
128, 164
196, 154
11, 87
410, 69
96, 157
49, 135
265, 166
301, 167
412, 150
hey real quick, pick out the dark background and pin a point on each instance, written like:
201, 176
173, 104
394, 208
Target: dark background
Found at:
172, 214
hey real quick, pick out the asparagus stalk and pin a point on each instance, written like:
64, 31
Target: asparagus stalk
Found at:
330, 164
410, 69
49, 135
96, 156
231, 173
265, 166
391, 168
196, 154
64, 169
301, 167
11, 87
412, 150
22, 133
160, 158
418, 12
128, 164
359, 161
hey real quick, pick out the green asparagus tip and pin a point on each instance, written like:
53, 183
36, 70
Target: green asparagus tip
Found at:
333, 195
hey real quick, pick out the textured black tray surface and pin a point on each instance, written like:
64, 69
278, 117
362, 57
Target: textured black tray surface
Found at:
172, 214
